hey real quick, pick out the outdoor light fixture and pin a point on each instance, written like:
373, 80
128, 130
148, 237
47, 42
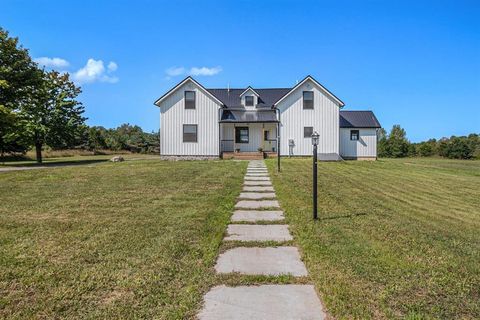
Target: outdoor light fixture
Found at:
315, 138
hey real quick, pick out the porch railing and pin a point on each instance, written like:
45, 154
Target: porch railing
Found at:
227, 145
270, 145
267, 145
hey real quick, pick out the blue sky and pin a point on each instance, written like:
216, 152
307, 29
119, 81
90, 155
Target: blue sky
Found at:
414, 63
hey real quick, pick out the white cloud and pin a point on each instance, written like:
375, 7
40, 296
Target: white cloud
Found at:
94, 71
204, 71
175, 71
52, 62
194, 71
112, 66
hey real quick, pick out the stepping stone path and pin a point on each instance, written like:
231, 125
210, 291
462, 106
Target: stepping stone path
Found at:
256, 204
257, 195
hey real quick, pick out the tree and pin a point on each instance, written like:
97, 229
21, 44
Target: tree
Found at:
456, 148
11, 138
397, 143
412, 150
19, 76
382, 143
427, 148
97, 138
53, 115
18, 73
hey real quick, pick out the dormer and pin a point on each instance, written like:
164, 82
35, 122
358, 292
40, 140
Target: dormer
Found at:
249, 98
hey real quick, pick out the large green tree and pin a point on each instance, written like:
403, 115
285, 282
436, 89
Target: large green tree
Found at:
54, 116
19, 78
397, 143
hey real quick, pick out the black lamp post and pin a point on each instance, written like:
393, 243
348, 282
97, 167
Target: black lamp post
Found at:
315, 137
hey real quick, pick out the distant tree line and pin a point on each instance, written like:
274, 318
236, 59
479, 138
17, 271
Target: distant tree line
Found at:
126, 137
396, 145
39, 109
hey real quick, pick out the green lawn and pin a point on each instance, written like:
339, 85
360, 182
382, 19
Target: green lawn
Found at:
136, 239
72, 160
395, 239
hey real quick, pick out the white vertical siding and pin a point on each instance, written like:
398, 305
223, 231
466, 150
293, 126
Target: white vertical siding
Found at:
324, 119
365, 147
255, 138
173, 116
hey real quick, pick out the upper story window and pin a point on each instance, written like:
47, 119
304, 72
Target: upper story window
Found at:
354, 135
307, 99
189, 99
249, 101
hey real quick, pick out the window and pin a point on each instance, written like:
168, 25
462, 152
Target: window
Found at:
354, 135
241, 134
307, 132
266, 135
249, 101
189, 133
189, 99
307, 99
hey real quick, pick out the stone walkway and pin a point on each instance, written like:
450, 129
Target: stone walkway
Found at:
257, 204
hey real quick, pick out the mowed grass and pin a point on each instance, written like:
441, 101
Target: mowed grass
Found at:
395, 238
136, 239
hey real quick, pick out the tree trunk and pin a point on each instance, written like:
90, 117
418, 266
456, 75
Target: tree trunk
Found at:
38, 150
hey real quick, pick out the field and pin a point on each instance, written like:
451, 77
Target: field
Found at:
136, 239
395, 238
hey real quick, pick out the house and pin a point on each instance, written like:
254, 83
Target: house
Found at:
206, 123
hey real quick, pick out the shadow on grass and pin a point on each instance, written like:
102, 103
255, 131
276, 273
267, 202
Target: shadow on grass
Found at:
345, 216
47, 164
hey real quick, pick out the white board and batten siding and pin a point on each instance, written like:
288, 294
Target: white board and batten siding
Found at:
173, 116
324, 118
364, 147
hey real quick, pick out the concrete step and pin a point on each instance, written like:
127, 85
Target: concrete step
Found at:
257, 215
272, 302
262, 261
256, 195
257, 183
257, 189
260, 204
249, 232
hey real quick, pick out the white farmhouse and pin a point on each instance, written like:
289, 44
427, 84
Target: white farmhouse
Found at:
205, 123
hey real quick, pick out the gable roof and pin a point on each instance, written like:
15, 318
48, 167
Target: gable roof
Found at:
231, 97
249, 88
328, 93
181, 83
358, 119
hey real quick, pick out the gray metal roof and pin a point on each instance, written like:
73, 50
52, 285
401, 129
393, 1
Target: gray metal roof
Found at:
231, 97
358, 119
245, 116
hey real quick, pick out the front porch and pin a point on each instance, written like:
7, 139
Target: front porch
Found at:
248, 155
248, 140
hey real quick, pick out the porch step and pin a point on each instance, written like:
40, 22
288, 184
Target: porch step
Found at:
243, 155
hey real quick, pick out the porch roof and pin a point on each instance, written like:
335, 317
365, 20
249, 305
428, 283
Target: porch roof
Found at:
245, 116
